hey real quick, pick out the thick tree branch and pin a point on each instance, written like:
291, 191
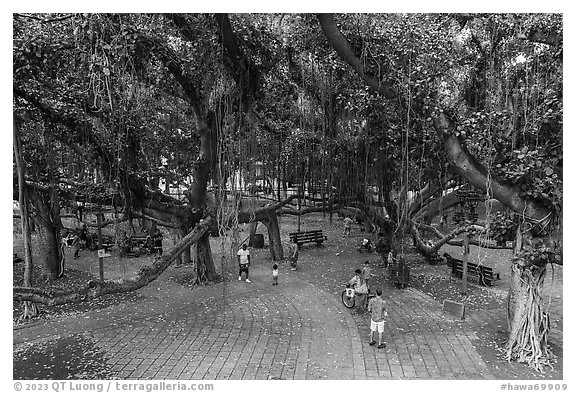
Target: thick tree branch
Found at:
436, 206
429, 247
343, 48
466, 165
481, 244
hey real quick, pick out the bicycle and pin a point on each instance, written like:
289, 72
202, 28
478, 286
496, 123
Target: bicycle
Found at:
349, 298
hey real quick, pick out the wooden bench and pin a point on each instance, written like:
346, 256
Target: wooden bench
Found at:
17, 259
315, 236
136, 245
486, 275
140, 240
107, 242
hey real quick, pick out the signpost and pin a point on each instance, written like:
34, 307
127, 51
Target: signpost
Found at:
101, 251
469, 198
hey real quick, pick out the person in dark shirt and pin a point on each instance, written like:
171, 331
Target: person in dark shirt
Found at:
84, 236
158, 237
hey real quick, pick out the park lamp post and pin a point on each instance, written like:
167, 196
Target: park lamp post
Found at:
468, 198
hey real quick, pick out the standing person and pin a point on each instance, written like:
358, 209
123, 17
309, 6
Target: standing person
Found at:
347, 226
367, 274
84, 236
76, 245
293, 257
443, 220
243, 262
158, 241
377, 308
275, 274
383, 248
360, 290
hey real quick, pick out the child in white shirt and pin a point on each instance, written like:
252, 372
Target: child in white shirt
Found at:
275, 274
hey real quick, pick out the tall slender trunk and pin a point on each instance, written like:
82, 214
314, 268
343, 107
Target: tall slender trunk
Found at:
49, 230
30, 308
253, 229
207, 128
275, 242
51, 268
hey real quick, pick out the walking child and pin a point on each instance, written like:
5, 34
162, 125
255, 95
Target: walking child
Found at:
275, 274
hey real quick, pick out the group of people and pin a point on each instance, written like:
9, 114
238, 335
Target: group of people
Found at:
361, 284
243, 257
375, 306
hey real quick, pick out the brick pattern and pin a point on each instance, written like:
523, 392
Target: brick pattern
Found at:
295, 330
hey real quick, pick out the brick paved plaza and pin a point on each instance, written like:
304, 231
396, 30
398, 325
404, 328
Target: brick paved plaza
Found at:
296, 330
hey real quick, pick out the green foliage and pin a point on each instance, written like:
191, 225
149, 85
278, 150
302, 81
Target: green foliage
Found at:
503, 227
534, 171
309, 107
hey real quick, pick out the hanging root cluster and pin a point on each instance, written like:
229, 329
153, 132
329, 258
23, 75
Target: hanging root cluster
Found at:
528, 340
30, 310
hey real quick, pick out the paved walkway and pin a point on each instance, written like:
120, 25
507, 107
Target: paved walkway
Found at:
237, 330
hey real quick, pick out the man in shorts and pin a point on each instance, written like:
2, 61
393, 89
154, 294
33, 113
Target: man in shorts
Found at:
377, 308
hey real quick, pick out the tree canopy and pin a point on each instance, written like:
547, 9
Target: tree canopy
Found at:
375, 111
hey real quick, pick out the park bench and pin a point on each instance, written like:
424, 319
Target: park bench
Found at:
17, 259
315, 236
486, 275
136, 245
92, 242
140, 240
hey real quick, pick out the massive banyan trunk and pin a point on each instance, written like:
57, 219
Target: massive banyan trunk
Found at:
205, 270
528, 335
206, 125
276, 251
528, 320
48, 219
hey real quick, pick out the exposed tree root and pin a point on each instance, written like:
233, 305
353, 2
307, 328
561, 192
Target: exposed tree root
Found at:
528, 340
30, 310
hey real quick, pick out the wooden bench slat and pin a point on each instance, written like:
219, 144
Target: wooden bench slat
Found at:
484, 273
308, 236
313, 236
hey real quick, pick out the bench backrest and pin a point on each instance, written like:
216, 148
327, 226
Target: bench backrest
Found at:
315, 232
474, 267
